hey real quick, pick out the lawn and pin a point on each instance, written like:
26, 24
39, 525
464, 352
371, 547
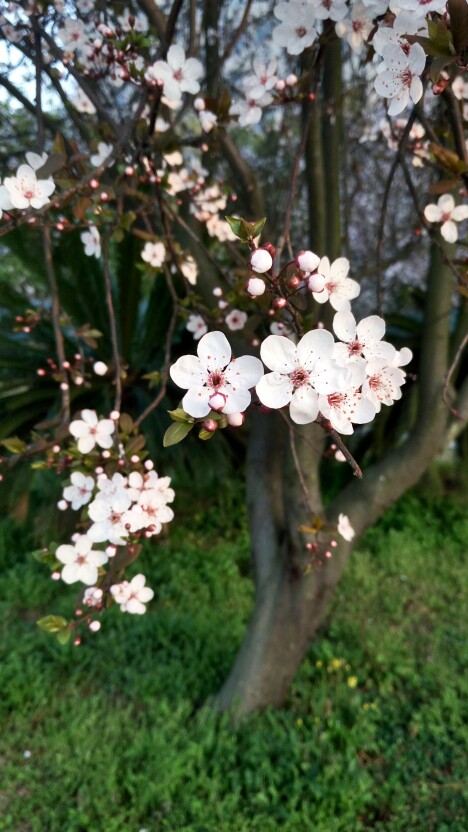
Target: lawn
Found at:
112, 736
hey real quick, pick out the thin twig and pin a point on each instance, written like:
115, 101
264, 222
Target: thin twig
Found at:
453, 367
113, 324
325, 424
297, 464
58, 335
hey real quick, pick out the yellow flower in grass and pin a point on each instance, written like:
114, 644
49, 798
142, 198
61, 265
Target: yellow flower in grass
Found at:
335, 664
352, 681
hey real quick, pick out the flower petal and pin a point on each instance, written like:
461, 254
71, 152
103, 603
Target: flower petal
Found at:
214, 351
304, 405
316, 344
188, 371
245, 371
274, 389
279, 354
195, 401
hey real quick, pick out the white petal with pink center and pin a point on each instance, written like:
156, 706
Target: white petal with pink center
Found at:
361, 341
81, 561
26, 190
339, 289
213, 374
383, 383
132, 595
345, 409
89, 431
80, 490
299, 373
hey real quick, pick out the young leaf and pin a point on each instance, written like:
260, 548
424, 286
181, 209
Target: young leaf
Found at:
14, 444
52, 623
179, 415
176, 433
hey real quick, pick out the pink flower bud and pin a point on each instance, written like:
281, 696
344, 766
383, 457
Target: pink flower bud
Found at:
114, 415
279, 303
295, 281
100, 368
210, 425
95, 626
217, 291
199, 105
62, 505
236, 419
149, 465
55, 576
316, 283
280, 85
105, 454
291, 80
261, 261
217, 401
134, 459
255, 286
307, 261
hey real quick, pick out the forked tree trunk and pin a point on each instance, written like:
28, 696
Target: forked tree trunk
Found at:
291, 600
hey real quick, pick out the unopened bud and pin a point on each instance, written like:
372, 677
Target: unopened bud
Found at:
236, 419
291, 80
95, 626
199, 105
279, 303
294, 281
255, 286
217, 401
100, 368
210, 425
307, 261
62, 505
261, 261
316, 283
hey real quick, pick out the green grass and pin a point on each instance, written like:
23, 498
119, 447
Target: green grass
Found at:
374, 734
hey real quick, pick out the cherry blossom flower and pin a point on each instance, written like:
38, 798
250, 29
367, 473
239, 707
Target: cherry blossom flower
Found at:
383, 383
249, 111
214, 374
448, 214
345, 528
356, 28
404, 24
72, 34
236, 320
91, 431
197, 326
132, 595
263, 80
100, 368
400, 79
82, 103
362, 341
299, 373
80, 491
91, 240
421, 8
348, 407
36, 160
330, 9
189, 269
154, 254
112, 518
103, 152
339, 289
92, 596
177, 74
460, 87
297, 30
208, 120
81, 561
26, 190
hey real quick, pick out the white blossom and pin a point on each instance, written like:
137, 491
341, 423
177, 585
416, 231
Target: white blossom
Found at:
177, 74
103, 152
447, 213
81, 561
80, 491
26, 190
91, 431
339, 289
72, 34
154, 254
400, 79
197, 326
213, 373
361, 341
345, 528
236, 320
132, 595
297, 30
91, 240
299, 373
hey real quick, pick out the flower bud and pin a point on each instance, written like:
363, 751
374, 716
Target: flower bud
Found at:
280, 85
95, 626
199, 105
316, 283
114, 415
294, 281
210, 425
236, 419
291, 80
217, 401
261, 261
62, 505
100, 368
279, 303
270, 248
255, 286
307, 261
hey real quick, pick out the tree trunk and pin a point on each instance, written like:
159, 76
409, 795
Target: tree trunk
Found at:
291, 599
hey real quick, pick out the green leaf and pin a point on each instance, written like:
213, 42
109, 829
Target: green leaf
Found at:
179, 415
430, 47
206, 434
64, 635
437, 65
176, 433
14, 444
258, 226
43, 556
52, 623
135, 444
440, 36
125, 423
237, 228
